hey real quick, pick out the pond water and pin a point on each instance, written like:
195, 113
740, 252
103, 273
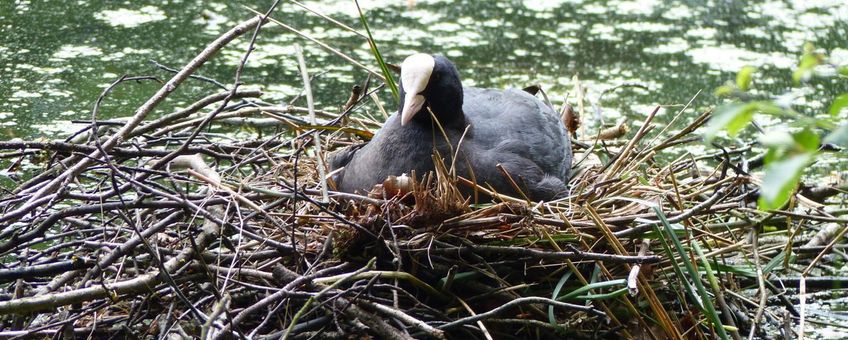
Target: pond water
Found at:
57, 57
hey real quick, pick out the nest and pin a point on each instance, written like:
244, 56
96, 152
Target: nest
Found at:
157, 228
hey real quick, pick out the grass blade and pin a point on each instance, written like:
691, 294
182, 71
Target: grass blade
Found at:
383, 67
597, 285
709, 309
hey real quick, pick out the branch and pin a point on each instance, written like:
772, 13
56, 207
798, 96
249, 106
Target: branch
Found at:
37, 199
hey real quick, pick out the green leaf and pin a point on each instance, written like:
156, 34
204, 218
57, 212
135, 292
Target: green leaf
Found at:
732, 117
704, 296
838, 104
807, 140
808, 47
781, 178
844, 71
724, 91
557, 289
778, 260
809, 61
739, 269
838, 136
770, 108
775, 153
677, 227
777, 140
743, 78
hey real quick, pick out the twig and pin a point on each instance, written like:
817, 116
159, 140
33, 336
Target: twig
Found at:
39, 270
518, 302
316, 137
760, 282
538, 254
633, 277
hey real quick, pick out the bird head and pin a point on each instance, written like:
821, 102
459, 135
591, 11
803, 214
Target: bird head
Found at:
427, 80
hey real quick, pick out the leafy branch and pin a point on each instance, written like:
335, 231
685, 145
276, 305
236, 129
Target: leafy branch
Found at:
788, 153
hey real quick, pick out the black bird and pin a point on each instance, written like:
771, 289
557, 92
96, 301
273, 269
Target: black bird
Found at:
490, 127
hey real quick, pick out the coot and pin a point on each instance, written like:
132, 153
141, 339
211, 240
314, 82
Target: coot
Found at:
490, 127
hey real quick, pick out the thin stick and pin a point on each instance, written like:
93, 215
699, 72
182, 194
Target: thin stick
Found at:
760, 282
328, 18
624, 155
316, 136
512, 182
802, 299
518, 302
325, 46
478, 321
633, 277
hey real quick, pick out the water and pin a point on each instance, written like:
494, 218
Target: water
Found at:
56, 57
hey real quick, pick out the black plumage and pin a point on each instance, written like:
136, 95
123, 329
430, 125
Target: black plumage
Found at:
508, 127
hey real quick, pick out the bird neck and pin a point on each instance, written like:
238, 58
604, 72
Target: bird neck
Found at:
449, 115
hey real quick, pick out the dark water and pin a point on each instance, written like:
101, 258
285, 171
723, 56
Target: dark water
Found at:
56, 57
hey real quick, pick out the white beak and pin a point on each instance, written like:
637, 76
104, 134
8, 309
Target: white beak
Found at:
411, 105
414, 75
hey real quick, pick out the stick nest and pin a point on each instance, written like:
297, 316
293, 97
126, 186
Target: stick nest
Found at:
175, 230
